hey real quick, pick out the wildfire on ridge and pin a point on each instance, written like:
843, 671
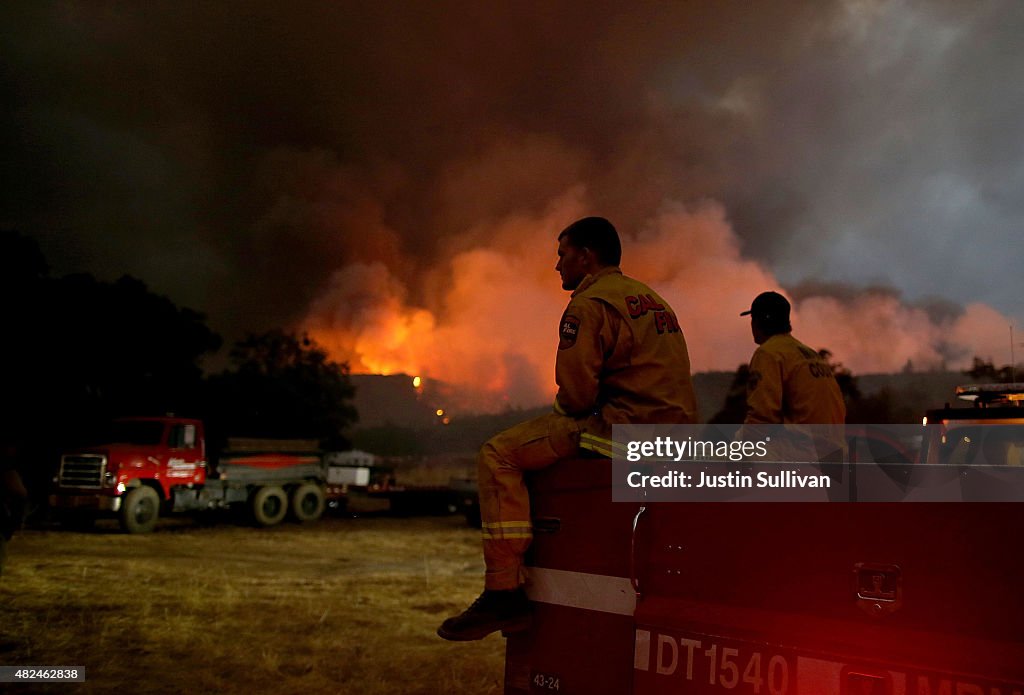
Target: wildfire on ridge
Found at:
490, 333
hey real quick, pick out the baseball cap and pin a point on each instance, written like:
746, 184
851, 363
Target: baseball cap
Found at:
769, 305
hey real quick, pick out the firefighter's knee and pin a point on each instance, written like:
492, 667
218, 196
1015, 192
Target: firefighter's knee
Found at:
496, 453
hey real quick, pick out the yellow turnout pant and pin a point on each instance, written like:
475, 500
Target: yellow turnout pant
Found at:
504, 502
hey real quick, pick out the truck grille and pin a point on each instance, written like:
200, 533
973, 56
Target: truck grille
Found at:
82, 470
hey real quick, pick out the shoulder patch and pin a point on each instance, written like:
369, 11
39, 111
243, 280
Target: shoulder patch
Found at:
568, 331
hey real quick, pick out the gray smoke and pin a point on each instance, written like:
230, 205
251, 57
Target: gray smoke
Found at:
236, 155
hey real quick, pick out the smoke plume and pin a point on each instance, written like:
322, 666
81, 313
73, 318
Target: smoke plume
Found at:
390, 176
491, 330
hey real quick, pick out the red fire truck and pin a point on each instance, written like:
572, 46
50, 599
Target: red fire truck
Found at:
155, 465
866, 598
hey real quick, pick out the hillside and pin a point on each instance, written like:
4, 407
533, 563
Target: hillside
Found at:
397, 419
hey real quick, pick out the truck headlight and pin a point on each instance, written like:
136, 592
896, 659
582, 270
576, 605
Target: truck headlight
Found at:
120, 488
108, 479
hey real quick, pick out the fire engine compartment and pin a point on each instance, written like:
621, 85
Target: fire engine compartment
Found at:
781, 597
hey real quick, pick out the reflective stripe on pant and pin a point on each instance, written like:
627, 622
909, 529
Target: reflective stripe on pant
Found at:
504, 502
602, 445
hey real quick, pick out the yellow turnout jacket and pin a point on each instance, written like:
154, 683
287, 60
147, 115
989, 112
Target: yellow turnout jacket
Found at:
622, 358
790, 383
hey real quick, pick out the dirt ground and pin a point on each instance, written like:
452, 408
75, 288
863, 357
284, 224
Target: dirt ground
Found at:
345, 605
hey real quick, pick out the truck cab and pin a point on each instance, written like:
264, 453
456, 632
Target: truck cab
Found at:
155, 465
141, 463
989, 433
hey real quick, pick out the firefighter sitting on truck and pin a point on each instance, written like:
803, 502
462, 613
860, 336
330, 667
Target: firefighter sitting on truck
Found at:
621, 358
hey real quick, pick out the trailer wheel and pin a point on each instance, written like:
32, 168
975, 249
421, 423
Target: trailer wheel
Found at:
307, 502
269, 505
140, 510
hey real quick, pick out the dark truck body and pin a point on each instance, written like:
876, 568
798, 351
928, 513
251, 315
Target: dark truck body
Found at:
424, 500
161, 465
767, 598
409, 488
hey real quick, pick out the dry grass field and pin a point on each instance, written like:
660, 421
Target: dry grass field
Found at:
340, 606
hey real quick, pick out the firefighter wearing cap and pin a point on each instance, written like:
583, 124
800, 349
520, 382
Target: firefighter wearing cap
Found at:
791, 384
621, 358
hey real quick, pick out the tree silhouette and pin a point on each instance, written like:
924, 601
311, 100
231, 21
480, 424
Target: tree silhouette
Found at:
985, 371
77, 351
282, 385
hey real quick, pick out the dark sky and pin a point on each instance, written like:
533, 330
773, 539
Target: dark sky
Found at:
236, 155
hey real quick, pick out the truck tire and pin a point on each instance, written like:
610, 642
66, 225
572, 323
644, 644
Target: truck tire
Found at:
269, 505
140, 510
307, 502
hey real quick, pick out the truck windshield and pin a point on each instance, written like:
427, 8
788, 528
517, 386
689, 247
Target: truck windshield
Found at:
137, 432
993, 445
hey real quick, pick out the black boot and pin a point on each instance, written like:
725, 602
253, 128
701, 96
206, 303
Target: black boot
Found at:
508, 611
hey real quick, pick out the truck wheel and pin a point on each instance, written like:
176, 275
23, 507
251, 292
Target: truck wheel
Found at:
140, 510
269, 505
307, 502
